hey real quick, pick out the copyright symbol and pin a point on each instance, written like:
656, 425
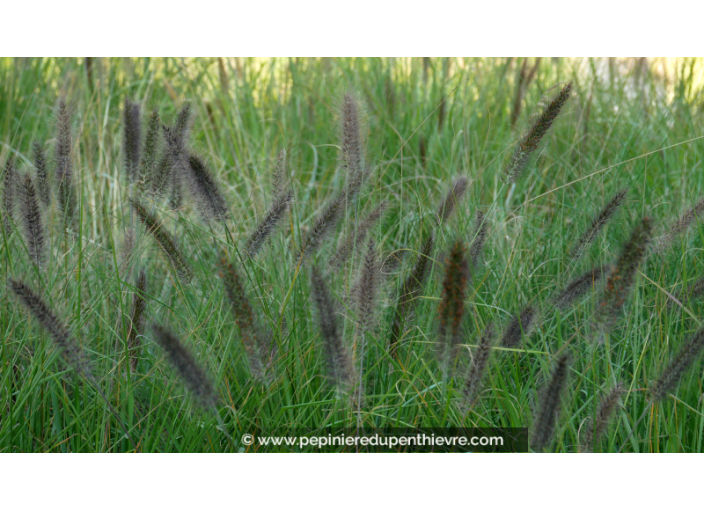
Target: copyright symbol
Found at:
247, 439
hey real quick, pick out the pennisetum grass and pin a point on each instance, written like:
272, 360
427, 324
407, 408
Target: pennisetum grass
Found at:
416, 279
351, 133
164, 239
481, 230
64, 166
260, 350
147, 170
191, 373
410, 288
520, 326
276, 212
530, 141
447, 207
597, 425
679, 227
8, 194
71, 351
452, 306
132, 139
338, 365
58, 332
598, 223
621, 278
201, 183
474, 383
355, 236
42, 175
678, 366
137, 324
544, 426
580, 286
32, 220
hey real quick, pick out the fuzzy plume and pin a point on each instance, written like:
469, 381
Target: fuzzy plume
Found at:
597, 425
355, 237
411, 287
679, 226
324, 225
366, 287
338, 365
258, 237
32, 220
351, 134
58, 332
580, 286
164, 239
211, 203
520, 326
148, 168
192, 374
679, 365
544, 426
481, 229
8, 194
178, 162
260, 350
447, 207
451, 308
598, 223
162, 175
621, 278
132, 139
42, 173
134, 344
64, 168
280, 175
475, 379
530, 141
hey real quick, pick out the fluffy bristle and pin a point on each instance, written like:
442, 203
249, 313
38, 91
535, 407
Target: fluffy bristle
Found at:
355, 236
193, 376
324, 225
447, 207
148, 168
64, 169
56, 329
279, 177
32, 220
164, 239
42, 173
8, 194
451, 308
211, 202
338, 365
530, 141
475, 379
544, 426
481, 229
366, 287
260, 351
679, 365
598, 223
411, 287
622, 277
137, 325
679, 226
597, 425
258, 237
132, 139
520, 326
580, 286
351, 134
